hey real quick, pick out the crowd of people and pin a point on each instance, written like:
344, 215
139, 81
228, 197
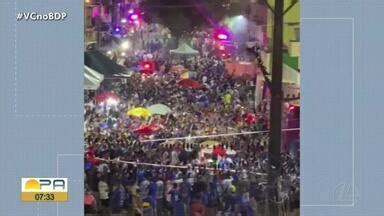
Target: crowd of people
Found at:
171, 171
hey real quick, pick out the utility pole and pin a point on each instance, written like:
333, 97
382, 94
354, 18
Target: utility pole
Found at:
115, 13
98, 24
274, 146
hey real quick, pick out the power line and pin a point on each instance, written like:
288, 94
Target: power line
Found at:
173, 166
215, 135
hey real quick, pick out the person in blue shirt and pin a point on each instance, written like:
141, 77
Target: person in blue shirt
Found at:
117, 199
152, 189
148, 210
245, 205
160, 201
223, 164
128, 202
186, 193
212, 199
152, 193
140, 175
176, 200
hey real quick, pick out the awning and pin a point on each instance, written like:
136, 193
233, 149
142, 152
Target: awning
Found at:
101, 63
292, 62
92, 79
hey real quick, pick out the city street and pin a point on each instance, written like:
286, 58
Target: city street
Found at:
181, 114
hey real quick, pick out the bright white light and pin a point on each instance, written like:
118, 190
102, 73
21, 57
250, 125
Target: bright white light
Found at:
239, 24
125, 45
222, 36
130, 11
109, 52
240, 17
123, 54
123, 20
137, 22
134, 17
112, 102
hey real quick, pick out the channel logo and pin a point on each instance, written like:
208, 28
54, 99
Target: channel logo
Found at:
44, 189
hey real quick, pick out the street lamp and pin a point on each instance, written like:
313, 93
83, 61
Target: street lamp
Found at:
125, 45
134, 17
117, 30
222, 36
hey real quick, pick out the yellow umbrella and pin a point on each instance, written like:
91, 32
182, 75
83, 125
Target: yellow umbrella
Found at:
139, 112
209, 143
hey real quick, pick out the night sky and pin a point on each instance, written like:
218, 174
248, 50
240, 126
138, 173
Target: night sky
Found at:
184, 15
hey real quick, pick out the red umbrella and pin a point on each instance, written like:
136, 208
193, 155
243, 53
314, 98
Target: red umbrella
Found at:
250, 118
148, 129
189, 83
105, 96
218, 151
155, 127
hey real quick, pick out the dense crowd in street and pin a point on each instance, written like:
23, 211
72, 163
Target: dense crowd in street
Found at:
184, 167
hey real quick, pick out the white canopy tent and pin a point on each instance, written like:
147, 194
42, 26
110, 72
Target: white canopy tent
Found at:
92, 78
184, 49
